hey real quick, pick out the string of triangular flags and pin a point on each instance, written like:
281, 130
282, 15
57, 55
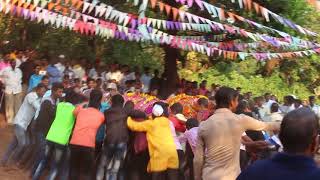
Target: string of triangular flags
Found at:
222, 14
110, 13
227, 28
249, 5
156, 37
120, 17
109, 30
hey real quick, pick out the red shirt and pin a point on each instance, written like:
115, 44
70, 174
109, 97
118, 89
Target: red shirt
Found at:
178, 125
88, 121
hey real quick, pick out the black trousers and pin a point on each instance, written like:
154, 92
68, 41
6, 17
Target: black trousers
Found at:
189, 164
181, 164
136, 166
170, 174
82, 163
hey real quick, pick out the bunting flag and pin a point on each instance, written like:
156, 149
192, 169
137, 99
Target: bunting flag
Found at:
247, 4
208, 26
236, 30
109, 30
213, 10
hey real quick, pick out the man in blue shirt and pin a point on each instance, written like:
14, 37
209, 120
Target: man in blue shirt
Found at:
299, 136
55, 76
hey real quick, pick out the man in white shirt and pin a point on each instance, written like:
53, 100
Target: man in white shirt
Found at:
114, 74
78, 71
268, 103
315, 108
288, 105
21, 121
146, 79
275, 115
127, 76
60, 64
12, 80
93, 73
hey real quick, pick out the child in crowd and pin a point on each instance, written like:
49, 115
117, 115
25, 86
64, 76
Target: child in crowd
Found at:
162, 149
177, 118
203, 113
190, 138
177, 125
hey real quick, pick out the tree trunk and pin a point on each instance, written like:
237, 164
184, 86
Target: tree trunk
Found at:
170, 70
170, 62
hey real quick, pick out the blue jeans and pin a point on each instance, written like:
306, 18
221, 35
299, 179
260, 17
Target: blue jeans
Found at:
57, 152
111, 162
40, 150
17, 145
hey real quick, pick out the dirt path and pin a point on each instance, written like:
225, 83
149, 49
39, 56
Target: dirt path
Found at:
10, 172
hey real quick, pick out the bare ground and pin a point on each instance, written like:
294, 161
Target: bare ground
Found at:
10, 172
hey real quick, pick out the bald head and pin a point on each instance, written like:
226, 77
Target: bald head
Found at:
299, 130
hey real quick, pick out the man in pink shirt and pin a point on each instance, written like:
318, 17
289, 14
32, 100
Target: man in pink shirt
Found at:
190, 137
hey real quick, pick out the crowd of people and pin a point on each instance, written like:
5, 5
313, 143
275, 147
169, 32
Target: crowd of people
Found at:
71, 119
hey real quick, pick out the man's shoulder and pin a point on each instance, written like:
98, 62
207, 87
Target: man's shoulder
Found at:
32, 95
273, 169
257, 169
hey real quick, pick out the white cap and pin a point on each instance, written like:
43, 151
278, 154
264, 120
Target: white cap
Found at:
61, 56
112, 86
157, 110
181, 117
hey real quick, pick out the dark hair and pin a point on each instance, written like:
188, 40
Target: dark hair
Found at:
71, 97
191, 123
274, 107
164, 107
156, 72
56, 86
297, 101
298, 128
66, 76
136, 114
95, 99
203, 102
39, 86
195, 84
312, 98
256, 99
224, 96
242, 106
90, 80
76, 80
176, 108
117, 101
289, 99
44, 77
128, 107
